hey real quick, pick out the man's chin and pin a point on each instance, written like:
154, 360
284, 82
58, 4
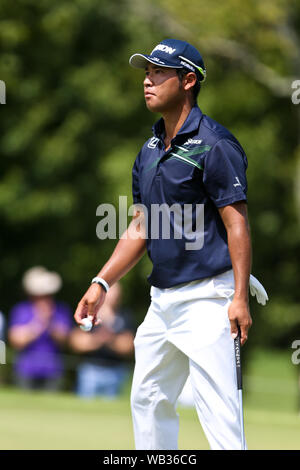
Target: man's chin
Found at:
152, 107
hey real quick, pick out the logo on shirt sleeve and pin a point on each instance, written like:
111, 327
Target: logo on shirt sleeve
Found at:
238, 182
153, 143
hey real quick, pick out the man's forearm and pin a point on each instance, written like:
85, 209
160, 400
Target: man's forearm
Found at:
239, 245
126, 255
235, 219
236, 223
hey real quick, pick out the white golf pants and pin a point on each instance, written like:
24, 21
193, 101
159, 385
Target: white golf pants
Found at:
186, 332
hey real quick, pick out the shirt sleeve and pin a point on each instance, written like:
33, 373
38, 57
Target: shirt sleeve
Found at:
224, 175
21, 314
136, 194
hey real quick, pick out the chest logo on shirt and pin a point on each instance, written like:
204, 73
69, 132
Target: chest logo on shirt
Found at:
153, 143
185, 155
193, 142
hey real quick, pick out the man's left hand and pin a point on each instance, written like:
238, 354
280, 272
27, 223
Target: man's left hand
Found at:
239, 315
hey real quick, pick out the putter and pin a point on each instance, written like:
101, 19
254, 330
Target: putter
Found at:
237, 353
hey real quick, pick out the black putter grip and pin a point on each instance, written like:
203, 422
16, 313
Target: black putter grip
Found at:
237, 353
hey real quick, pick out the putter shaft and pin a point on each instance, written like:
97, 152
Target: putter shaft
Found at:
237, 353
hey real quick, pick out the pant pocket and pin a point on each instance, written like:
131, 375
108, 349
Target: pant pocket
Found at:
224, 284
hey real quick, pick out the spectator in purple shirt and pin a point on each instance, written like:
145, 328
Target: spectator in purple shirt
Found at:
38, 328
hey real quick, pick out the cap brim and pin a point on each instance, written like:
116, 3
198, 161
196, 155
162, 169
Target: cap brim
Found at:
140, 61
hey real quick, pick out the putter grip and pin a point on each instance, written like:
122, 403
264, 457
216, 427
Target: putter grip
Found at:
237, 353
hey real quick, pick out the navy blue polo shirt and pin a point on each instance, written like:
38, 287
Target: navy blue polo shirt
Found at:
203, 170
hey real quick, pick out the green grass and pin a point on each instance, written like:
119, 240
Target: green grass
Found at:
35, 420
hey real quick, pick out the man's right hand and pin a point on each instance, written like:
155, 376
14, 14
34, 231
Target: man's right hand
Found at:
90, 304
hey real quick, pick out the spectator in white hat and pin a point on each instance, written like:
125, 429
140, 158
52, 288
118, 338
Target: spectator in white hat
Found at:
38, 328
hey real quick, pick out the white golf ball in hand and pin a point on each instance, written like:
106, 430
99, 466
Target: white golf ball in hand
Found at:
87, 324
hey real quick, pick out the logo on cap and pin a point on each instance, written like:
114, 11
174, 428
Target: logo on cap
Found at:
164, 48
185, 64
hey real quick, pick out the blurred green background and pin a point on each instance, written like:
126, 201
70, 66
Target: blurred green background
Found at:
75, 120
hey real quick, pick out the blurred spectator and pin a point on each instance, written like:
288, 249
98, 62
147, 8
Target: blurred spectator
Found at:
106, 350
38, 328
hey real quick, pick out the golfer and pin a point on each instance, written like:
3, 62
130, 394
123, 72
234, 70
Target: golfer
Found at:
200, 279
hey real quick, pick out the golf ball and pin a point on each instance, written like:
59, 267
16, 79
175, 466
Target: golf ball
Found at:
86, 324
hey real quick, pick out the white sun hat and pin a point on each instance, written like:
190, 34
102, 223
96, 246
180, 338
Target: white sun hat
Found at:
38, 281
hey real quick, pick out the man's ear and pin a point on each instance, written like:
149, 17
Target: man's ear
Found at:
189, 80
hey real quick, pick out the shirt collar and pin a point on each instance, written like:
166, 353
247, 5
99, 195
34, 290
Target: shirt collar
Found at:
191, 124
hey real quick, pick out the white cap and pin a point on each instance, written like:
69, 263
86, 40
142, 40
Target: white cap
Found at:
38, 281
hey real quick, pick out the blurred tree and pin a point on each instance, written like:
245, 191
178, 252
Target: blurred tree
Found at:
68, 136
75, 120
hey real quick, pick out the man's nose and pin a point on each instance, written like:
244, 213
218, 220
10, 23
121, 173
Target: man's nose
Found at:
147, 81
